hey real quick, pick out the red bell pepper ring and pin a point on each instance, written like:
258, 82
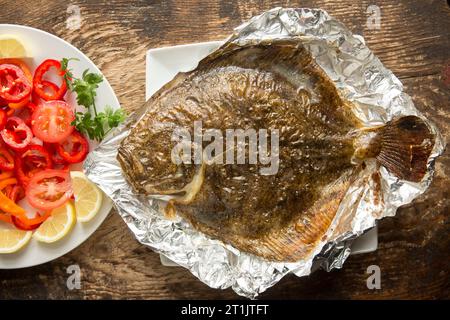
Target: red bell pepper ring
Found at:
14, 85
6, 159
56, 158
16, 134
5, 217
9, 111
74, 149
34, 159
3, 117
39, 84
30, 223
16, 193
26, 113
23, 66
5, 174
50, 86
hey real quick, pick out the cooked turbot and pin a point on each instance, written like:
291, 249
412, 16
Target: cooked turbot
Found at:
322, 146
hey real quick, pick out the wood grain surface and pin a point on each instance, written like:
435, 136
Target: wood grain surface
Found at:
413, 41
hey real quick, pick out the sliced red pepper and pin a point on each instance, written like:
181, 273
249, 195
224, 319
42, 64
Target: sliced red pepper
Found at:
5, 174
6, 159
34, 159
3, 103
9, 111
16, 192
30, 223
16, 134
74, 149
3, 117
36, 99
5, 217
9, 206
14, 85
39, 83
53, 88
26, 113
7, 182
56, 158
23, 66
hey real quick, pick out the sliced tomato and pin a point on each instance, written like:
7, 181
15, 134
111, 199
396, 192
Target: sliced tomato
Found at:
14, 85
16, 134
33, 160
3, 118
6, 159
74, 149
49, 189
52, 121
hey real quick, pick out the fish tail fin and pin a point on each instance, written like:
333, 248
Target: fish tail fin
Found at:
404, 146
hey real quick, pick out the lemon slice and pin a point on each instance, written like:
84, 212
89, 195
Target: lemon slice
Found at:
12, 240
58, 225
11, 47
88, 197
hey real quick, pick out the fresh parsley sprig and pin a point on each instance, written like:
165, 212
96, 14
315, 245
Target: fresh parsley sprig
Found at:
98, 124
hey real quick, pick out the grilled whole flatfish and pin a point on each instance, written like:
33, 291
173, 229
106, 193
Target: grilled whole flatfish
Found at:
322, 147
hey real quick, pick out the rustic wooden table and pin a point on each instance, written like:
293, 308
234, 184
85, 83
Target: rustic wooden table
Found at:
413, 41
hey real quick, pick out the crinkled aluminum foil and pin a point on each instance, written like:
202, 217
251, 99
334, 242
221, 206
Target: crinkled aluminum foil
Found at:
361, 77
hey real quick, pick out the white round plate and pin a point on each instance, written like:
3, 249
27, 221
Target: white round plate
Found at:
40, 46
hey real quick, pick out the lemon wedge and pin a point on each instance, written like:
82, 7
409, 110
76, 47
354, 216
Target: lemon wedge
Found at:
88, 197
12, 240
58, 225
11, 47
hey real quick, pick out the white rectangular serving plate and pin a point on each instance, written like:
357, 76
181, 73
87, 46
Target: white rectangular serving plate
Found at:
162, 64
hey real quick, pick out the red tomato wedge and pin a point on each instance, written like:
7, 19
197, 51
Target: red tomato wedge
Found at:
52, 121
49, 189
14, 85
16, 134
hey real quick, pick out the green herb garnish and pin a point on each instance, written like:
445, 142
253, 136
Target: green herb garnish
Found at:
98, 124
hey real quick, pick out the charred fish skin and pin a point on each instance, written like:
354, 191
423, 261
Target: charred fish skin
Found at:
274, 86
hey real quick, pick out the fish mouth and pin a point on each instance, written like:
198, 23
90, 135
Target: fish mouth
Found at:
133, 169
